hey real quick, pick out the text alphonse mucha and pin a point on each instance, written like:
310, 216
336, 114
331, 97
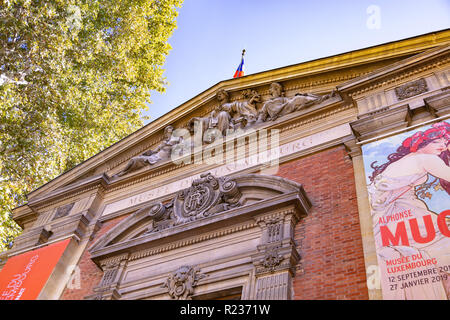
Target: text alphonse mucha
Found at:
413, 270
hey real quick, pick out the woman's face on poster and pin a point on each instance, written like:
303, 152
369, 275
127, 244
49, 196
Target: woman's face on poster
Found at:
436, 146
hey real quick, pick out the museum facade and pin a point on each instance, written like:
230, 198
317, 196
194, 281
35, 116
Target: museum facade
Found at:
328, 179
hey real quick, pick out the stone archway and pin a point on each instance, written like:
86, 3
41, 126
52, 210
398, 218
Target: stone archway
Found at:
218, 234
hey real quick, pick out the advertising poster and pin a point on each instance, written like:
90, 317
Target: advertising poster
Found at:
24, 275
408, 183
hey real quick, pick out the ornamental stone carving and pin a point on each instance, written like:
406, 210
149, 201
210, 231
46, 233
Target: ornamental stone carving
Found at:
150, 157
278, 105
206, 196
181, 282
63, 211
274, 230
107, 289
226, 117
272, 259
411, 89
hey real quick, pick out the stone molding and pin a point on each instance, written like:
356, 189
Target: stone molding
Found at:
144, 218
184, 243
271, 204
400, 77
347, 63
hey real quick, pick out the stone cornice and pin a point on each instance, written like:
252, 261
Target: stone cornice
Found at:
186, 242
294, 199
102, 183
338, 62
98, 183
398, 71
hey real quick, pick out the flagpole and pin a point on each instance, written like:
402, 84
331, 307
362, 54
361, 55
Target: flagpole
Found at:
239, 72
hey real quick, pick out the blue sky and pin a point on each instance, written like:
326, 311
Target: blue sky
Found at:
207, 45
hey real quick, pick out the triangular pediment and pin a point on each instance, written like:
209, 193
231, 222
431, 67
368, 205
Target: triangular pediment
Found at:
393, 70
318, 77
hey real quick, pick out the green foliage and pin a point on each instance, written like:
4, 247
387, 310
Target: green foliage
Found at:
75, 77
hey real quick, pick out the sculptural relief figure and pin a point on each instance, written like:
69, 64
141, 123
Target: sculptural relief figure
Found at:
278, 105
249, 108
233, 115
150, 157
182, 281
228, 115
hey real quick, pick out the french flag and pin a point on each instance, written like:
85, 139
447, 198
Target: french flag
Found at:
240, 70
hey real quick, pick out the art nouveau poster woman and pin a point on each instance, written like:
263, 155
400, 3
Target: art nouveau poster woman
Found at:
395, 204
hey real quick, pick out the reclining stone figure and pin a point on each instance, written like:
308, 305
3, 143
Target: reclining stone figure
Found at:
150, 157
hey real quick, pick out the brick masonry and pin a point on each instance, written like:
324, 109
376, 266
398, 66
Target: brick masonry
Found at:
328, 239
90, 274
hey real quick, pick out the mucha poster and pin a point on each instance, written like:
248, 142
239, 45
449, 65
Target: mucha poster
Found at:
408, 183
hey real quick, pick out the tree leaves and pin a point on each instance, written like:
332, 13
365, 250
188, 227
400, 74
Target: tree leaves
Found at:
75, 77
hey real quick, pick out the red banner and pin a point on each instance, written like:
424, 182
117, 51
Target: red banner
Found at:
24, 276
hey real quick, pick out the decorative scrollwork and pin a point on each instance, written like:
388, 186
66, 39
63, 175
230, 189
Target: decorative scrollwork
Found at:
206, 196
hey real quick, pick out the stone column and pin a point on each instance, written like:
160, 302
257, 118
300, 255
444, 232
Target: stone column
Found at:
112, 274
277, 256
365, 220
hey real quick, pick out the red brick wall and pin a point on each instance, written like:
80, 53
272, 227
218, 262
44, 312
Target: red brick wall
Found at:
90, 274
329, 238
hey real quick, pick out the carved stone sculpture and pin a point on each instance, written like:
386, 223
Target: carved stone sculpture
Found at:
181, 283
411, 89
206, 196
248, 111
162, 216
278, 105
271, 259
228, 115
162, 152
202, 124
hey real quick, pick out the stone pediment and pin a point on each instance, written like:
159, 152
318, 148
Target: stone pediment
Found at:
209, 203
154, 152
398, 71
307, 91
